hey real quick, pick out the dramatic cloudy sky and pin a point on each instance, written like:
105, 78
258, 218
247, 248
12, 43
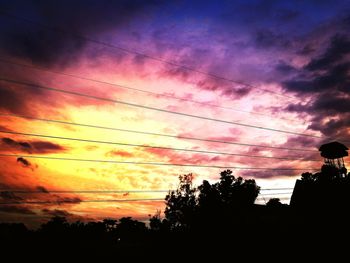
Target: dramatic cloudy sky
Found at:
280, 65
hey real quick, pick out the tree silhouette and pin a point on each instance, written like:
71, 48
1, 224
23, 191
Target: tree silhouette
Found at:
274, 203
181, 204
190, 207
236, 192
55, 225
130, 231
110, 224
201, 217
324, 190
156, 223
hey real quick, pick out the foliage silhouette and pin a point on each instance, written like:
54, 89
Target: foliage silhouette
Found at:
181, 204
216, 217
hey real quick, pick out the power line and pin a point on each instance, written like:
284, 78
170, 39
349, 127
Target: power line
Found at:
47, 191
83, 201
136, 89
153, 163
262, 198
154, 147
155, 109
271, 189
171, 63
155, 134
93, 201
288, 193
81, 191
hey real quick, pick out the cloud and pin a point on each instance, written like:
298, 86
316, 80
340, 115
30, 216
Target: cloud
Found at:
24, 162
12, 100
16, 210
69, 200
64, 213
267, 174
301, 142
4, 128
338, 48
334, 79
285, 68
326, 80
42, 147
207, 82
28, 100
10, 196
223, 138
308, 49
236, 93
51, 47
119, 153
46, 147
333, 128
32, 44
42, 189
266, 38
177, 157
332, 104
327, 71
57, 212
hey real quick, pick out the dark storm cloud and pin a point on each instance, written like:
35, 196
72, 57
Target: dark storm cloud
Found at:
4, 128
210, 83
43, 147
335, 78
13, 143
332, 104
63, 200
24, 162
267, 174
236, 93
259, 12
285, 68
64, 213
16, 210
57, 212
330, 114
49, 47
12, 101
286, 15
326, 79
9, 196
334, 65
18, 99
42, 189
42, 46
266, 38
301, 142
46, 147
306, 50
338, 48
337, 128
307, 143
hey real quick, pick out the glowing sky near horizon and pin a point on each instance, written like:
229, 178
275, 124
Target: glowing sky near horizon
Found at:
298, 50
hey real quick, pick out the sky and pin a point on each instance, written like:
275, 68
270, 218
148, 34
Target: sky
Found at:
257, 75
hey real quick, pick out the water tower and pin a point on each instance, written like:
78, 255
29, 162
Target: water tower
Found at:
327, 189
333, 154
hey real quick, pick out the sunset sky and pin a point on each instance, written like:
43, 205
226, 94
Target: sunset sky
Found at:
280, 68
